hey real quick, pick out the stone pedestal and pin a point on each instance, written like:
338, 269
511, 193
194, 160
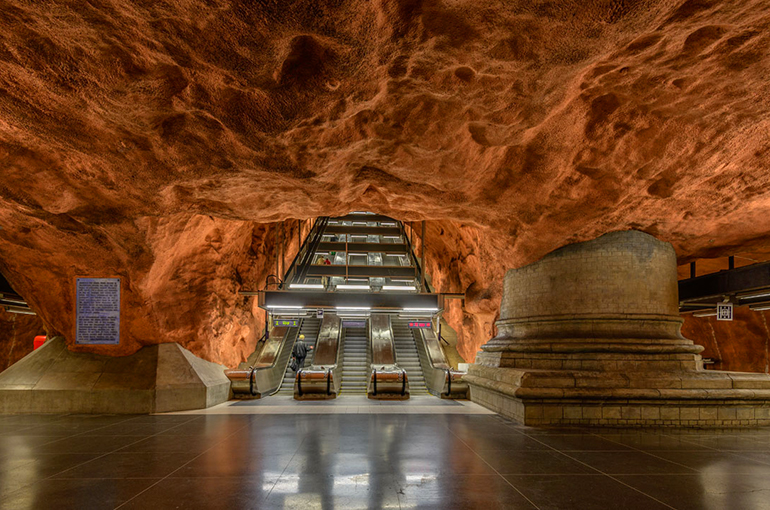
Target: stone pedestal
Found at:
158, 378
590, 335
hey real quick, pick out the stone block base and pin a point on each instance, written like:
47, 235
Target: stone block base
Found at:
699, 399
158, 378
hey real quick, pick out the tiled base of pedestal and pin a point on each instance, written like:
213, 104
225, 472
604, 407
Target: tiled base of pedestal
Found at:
711, 414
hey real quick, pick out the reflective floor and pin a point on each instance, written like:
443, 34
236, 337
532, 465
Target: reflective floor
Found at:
373, 460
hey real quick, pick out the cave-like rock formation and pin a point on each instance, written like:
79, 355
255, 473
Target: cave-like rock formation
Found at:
17, 333
163, 142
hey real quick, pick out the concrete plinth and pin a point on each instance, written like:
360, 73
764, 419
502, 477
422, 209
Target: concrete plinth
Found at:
590, 335
158, 378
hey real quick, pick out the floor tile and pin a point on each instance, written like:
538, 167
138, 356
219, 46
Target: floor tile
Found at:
203, 493
716, 461
130, 465
652, 442
579, 442
712, 491
75, 494
361, 490
86, 444
487, 492
631, 462
582, 492
532, 462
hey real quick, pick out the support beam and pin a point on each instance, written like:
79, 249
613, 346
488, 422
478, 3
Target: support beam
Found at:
422, 259
716, 285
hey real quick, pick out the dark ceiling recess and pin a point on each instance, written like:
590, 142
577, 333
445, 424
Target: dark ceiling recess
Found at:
11, 301
747, 285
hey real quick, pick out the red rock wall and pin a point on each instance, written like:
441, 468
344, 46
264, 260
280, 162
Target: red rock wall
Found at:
17, 333
157, 141
740, 345
180, 279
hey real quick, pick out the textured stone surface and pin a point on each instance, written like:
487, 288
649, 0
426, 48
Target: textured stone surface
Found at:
741, 345
144, 139
157, 378
17, 333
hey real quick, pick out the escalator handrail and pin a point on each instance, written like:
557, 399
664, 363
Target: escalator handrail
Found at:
300, 253
311, 249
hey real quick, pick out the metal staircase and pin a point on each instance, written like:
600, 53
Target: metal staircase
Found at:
309, 328
407, 356
355, 361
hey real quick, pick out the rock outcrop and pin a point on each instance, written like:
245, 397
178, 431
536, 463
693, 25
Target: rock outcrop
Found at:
163, 142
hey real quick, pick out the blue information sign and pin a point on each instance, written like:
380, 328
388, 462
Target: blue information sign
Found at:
98, 311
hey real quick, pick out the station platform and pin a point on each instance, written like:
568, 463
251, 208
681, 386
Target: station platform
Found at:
373, 460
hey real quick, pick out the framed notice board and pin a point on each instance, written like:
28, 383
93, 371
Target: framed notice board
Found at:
98, 311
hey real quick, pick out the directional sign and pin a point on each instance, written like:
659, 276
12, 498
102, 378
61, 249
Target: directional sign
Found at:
286, 323
420, 324
725, 312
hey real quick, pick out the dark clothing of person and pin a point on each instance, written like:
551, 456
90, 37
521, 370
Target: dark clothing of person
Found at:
299, 352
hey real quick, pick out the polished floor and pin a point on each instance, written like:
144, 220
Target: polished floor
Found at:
370, 460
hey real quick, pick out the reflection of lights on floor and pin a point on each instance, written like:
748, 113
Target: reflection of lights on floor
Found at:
270, 483
351, 480
722, 488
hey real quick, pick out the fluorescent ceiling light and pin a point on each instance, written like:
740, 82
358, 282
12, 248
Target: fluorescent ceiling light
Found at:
399, 287
400, 280
306, 286
15, 301
763, 293
354, 308
358, 254
425, 310
709, 313
395, 254
287, 307
759, 308
20, 312
352, 287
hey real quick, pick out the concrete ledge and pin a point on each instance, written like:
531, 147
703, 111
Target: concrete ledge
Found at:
158, 378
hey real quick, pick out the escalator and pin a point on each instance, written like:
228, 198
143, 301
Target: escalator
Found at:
309, 328
355, 361
387, 379
407, 356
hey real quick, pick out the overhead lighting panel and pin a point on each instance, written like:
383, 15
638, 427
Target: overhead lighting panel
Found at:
306, 286
399, 287
753, 295
353, 287
707, 313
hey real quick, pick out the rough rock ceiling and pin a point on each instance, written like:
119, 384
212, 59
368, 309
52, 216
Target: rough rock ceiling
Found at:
155, 140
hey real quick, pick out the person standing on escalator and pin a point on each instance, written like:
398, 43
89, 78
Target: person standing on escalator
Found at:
300, 351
